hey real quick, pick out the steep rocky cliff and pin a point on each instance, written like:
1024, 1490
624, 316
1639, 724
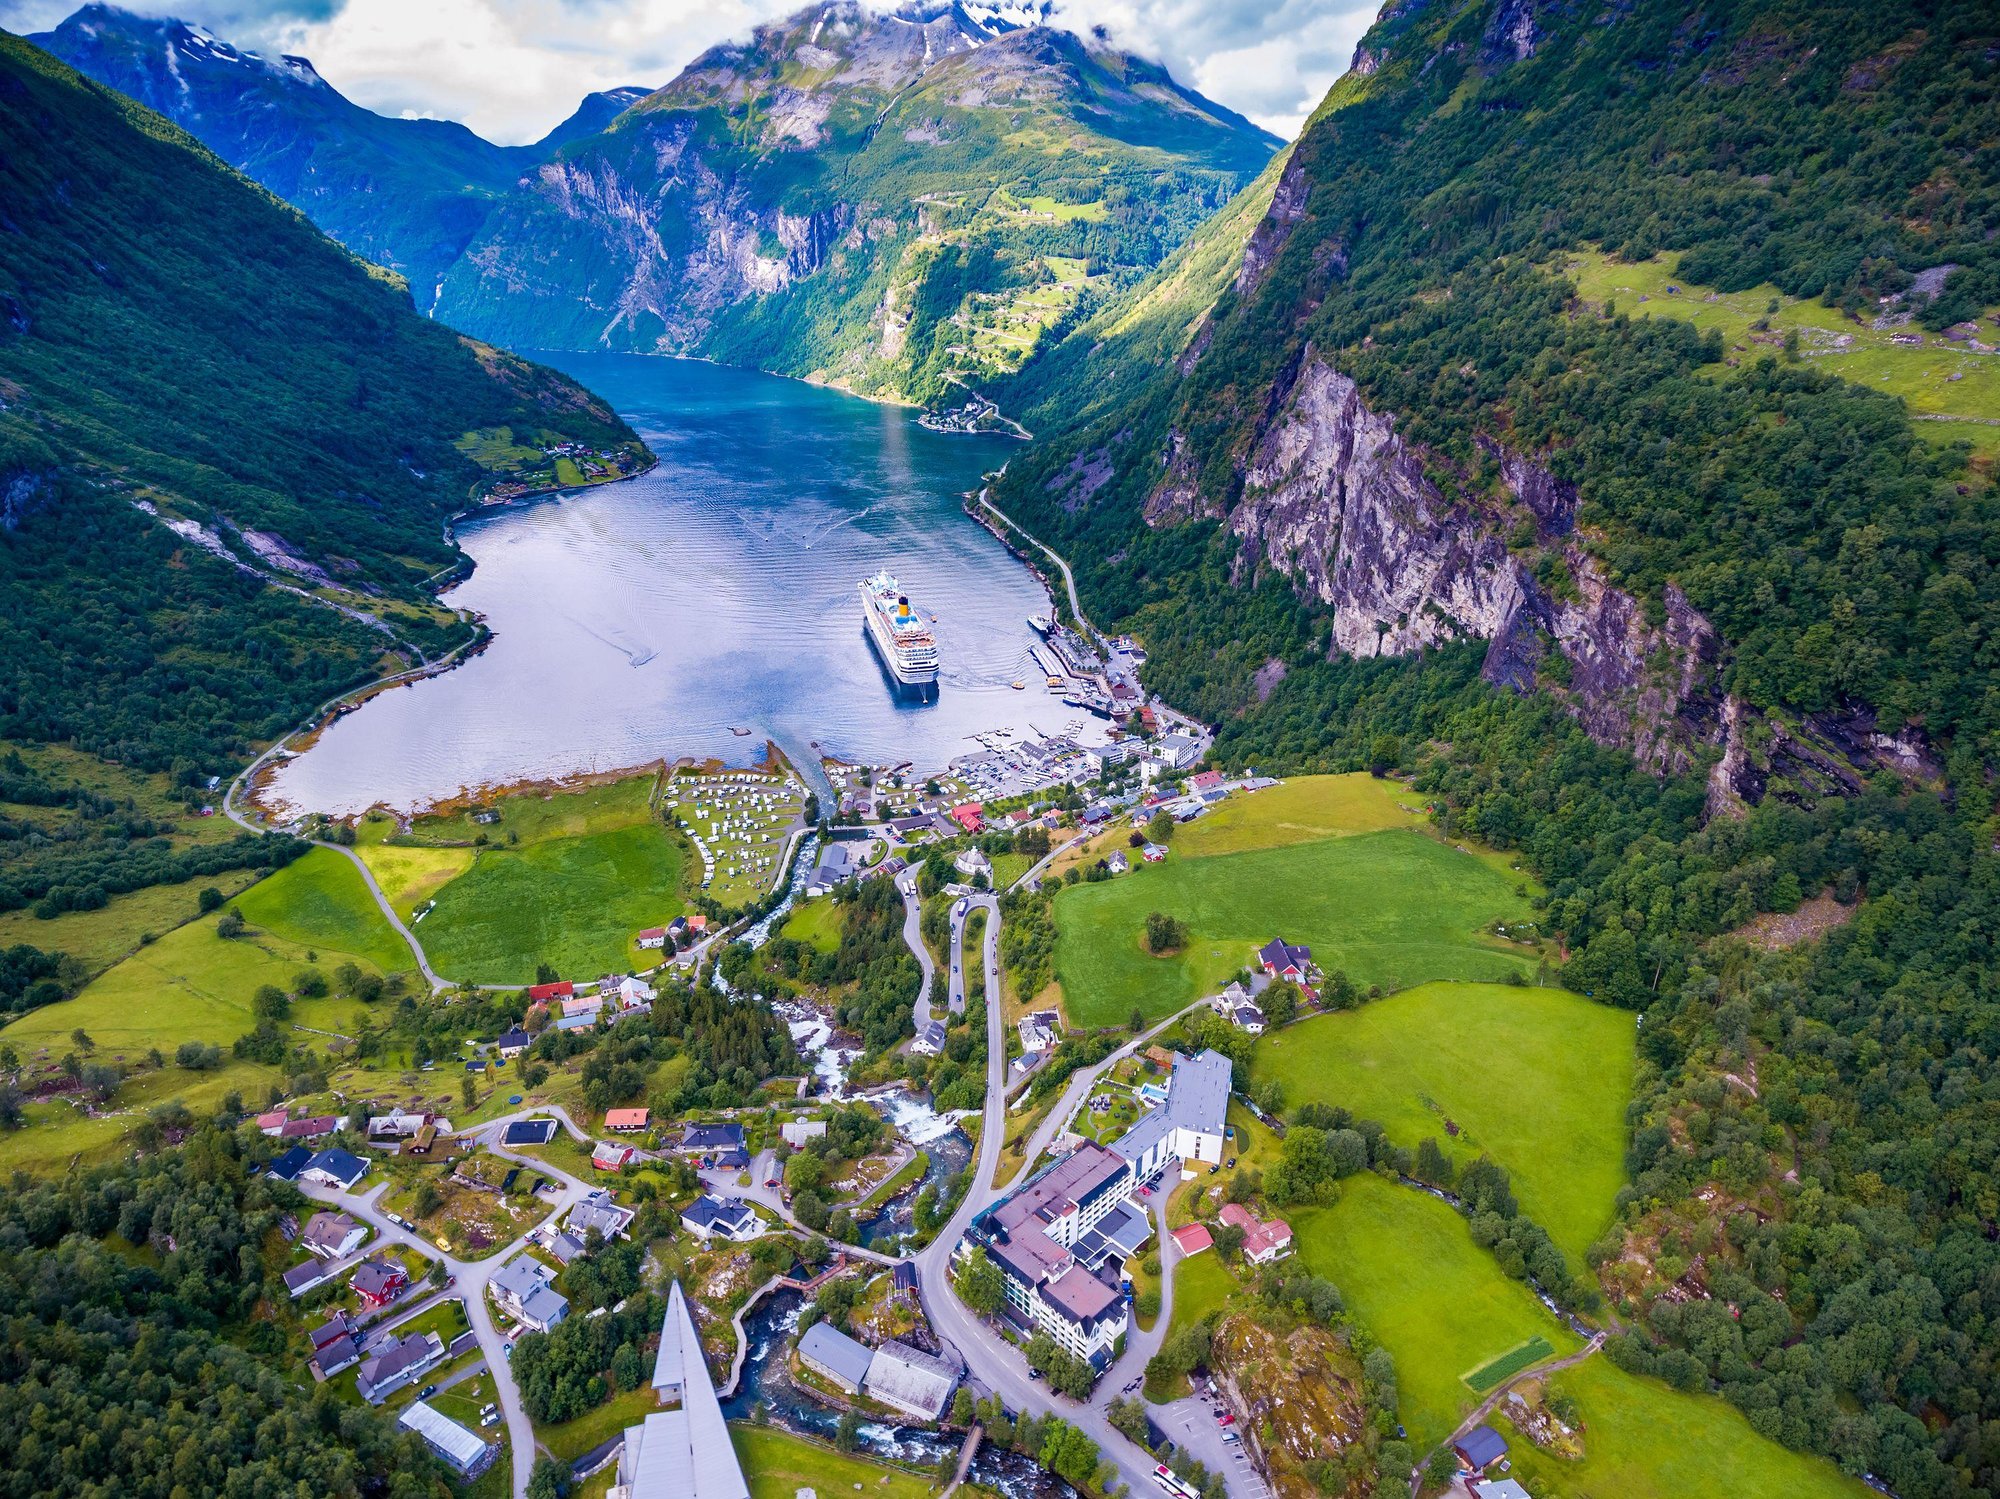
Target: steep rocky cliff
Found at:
1400, 424
1348, 511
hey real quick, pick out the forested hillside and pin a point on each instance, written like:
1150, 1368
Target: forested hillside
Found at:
134, 1359
202, 393
1418, 489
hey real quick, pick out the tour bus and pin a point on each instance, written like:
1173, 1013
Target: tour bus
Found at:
1180, 1488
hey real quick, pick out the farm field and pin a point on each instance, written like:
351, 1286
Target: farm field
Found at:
1958, 389
1391, 908
1643, 1440
1536, 1078
411, 874
779, 1465
192, 985
590, 870
1412, 1275
1302, 809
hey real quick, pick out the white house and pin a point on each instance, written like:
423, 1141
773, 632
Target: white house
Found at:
728, 1218
526, 1292
1189, 1126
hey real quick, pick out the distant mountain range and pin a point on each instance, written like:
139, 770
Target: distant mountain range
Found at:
408, 194
904, 204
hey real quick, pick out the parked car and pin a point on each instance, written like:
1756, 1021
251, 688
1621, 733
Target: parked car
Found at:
427, 1391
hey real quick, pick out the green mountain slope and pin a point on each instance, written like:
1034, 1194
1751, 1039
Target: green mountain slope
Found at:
1599, 426
1411, 284
904, 203
226, 446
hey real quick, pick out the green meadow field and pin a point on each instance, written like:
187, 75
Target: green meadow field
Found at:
192, 985
1412, 1275
1390, 908
1538, 1079
1643, 1440
567, 878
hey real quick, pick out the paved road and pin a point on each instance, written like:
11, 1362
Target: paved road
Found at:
1069, 578
913, 937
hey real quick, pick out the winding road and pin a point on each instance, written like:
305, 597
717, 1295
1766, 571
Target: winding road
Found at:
471, 1277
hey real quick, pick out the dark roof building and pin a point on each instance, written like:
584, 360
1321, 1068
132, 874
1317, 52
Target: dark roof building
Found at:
706, 1137
529, 1132
288, 1166
1480, 1448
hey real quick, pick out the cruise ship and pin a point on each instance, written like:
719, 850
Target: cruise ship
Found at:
904, 642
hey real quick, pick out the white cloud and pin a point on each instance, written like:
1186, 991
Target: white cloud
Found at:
512, 68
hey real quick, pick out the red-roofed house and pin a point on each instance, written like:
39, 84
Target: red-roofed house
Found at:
308, 1129
272, 1122
653, 936
1193, 1239
969, 815
610, 1157
1262, 1241
1205, 780
697, 922
543, 993
626, 1121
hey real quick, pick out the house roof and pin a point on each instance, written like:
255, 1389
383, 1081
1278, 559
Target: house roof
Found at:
1079, 1294
597, 1210
520, 1278
507, 1040
708, 1210
377, 1278
712, 1136
832, 1349
655, 933
627, 1118
910, 1379
463, 1447
328, 1231
287, 1166
400, 1355
343, 1165
1480, 1446
336, 1326
1198, 1093
309, 1128
529, 1132
304, 1276
1280, 954
336, 1353
609, 1153
1500, 1488
540, 992
1193, 1239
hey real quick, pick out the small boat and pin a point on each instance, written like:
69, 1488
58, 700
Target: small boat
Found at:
1020, 686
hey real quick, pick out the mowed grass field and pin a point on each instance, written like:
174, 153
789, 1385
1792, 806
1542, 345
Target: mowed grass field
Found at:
1412, 1275
1538, 1079
1301, 810
778, 1465
568, 878
192, 985
1643, 1440
1390, 908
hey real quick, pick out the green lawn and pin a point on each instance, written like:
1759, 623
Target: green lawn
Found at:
1936, 378
105, 936
1413, 1277
1539, 1079
778, 1465
1391, 908
574, 902
1645, 1441
321, 901
1303, 809
1202, 1283
411, 874
814, 922
571, 1439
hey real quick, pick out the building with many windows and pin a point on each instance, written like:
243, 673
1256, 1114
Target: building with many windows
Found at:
1189, 1126
1031, 1235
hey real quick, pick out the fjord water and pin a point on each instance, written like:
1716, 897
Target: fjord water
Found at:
653, 617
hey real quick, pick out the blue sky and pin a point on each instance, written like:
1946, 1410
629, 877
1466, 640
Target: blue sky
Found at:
512, 68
